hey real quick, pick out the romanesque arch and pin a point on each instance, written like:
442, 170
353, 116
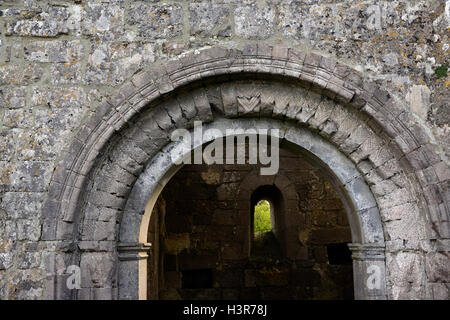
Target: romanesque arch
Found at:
363, 215
383, 160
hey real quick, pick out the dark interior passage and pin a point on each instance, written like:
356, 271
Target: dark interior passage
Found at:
205, 246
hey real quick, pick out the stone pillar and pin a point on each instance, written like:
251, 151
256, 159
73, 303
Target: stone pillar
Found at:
133, 270
369, 271
56, 268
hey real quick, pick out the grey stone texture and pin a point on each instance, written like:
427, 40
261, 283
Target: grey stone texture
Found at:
90, 91
157, 21
254, 22
209, 19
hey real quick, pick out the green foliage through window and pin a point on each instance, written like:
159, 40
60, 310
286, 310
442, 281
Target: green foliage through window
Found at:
262, 216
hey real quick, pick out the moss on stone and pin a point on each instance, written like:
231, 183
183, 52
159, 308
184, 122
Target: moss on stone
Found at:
441, 71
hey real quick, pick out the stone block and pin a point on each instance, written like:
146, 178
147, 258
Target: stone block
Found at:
439, 291
437, 267
12, 98
30, 176
405, 268
158, 21
419, 100
112, 62
6, 145
209, 19
28, 229
102, 21
22, 205
253, 22
97, 270
35, 26
53, 51
59, 97
20, 75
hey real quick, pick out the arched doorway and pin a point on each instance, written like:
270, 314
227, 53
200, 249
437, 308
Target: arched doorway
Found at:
208, 247
357, 200
373, 150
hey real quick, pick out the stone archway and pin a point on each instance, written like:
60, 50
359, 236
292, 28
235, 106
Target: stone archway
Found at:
90, 191
362, 210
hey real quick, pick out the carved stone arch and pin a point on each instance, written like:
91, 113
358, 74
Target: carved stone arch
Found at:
108, 154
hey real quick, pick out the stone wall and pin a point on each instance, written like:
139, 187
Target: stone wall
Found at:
207, 227
59, 60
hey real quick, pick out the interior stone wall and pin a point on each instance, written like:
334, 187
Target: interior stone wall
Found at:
60, 61
207, 226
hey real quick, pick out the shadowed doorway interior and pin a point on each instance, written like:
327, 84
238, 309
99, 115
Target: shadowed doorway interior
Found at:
212, 242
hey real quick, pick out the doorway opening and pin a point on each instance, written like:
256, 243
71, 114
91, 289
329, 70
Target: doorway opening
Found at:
230, 233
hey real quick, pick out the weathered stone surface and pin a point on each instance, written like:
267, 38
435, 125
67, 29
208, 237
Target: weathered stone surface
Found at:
20, 75
26, 284
12, 97
398, 197
28, 176
37, 145
113, 62
66, 73
419, 100
437, 264
6, 145
38, 25
307, 22
159, 21
29, 260
253, 22
58, 97
53, 51
97, 270
440, 291
6, 260
55, 120
404, 272
102, 20
99, 230
209, 19
28, 229
62, 18
399, 212
22, 205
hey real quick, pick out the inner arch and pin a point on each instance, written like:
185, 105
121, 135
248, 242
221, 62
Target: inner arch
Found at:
361, 208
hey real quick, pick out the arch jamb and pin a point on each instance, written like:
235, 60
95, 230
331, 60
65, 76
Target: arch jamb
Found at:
364, 215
